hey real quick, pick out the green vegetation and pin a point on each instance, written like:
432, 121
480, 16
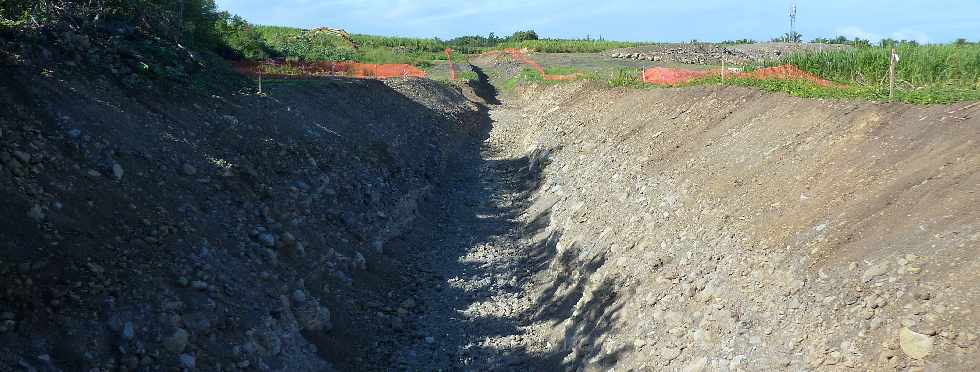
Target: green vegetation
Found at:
925, 73
520, 36
789, 37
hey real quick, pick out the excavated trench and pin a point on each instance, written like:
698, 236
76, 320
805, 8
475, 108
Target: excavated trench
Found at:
406, 225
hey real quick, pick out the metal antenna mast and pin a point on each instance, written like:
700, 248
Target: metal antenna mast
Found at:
792, 22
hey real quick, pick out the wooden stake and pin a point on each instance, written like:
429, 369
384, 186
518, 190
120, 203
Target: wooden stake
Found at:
723, 71
260, 83
891, 76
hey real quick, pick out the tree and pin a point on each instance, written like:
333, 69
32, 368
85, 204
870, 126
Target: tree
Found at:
524, 35
789, 37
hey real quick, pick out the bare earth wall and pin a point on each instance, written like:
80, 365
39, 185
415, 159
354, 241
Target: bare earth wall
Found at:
722, 228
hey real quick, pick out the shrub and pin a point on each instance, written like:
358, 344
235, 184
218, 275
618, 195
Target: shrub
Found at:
524, 36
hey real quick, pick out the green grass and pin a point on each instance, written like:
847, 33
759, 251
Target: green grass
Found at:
286, 42
918, 65
924, 74
567, 46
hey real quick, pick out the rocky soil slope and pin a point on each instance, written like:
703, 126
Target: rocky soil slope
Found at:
362, 225
726, 229
155, 230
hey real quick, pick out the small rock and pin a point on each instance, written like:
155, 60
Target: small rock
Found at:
188, 170
117, 171
430, 340
359, 262
874, 271
288, 240
187, 361
915, 345
299, 296
94, 173
408, 304
177, 342
36, 213
669, 353
199, 285
128, 331
74, 133
697, 365
7, 325
24, 157
267, 239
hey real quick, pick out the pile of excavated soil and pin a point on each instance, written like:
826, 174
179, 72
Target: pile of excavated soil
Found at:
713, 54
720, 228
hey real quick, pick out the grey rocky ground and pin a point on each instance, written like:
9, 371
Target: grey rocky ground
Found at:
363, 225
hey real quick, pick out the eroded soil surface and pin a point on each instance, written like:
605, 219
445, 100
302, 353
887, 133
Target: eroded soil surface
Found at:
409, 225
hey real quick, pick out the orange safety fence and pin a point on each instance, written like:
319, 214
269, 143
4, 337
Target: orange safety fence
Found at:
452, 67
677, 76
298, 69
521, 56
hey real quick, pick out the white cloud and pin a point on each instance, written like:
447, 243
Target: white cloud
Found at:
919, 37
851, 32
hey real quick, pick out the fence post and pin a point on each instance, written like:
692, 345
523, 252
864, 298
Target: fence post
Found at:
891, 75
260, 82
723, 70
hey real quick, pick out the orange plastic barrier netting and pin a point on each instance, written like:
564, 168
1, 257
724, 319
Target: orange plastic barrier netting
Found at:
323, 68
521, 56
676, 76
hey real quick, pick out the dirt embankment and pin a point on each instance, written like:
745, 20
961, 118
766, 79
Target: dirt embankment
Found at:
727, 229
154, 230
369, 225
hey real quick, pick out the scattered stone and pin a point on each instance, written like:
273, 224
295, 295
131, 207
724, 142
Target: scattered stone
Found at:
128, 331
7, 325
360, 262
288, 240
188, 170
199, 285
408, 304
299, 296
915, 345
874, 271
267, 239
117, 171
177, 342
696, 365
188, 361
430, 340
24, 157
36, 213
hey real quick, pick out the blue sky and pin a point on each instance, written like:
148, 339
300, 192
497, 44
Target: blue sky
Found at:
635, 20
